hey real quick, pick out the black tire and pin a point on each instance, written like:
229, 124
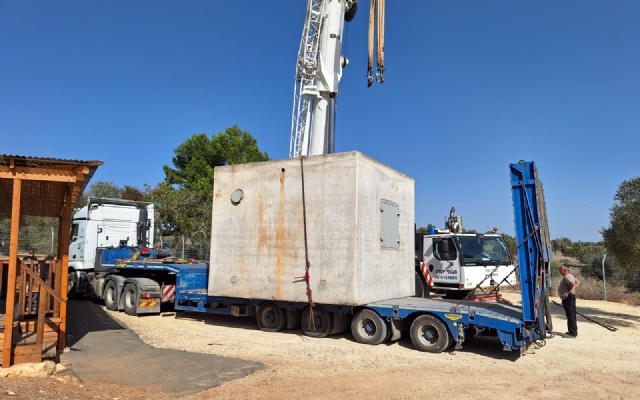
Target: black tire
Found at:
130, 299
270, 317
369, 328
322, 320
72, 286
110, 296
430, 334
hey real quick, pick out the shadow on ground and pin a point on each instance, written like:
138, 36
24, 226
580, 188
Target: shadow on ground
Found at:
104, 350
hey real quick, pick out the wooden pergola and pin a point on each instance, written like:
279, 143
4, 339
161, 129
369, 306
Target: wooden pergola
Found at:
45, 187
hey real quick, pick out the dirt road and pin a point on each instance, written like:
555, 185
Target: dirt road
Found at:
598, 364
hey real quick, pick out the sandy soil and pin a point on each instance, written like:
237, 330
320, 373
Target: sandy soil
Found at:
597, 364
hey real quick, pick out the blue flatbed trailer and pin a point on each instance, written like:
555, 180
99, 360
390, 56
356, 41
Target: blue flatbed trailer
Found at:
454, 319
433, 324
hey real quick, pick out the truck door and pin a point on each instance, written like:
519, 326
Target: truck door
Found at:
77, 244
112, 233
441, 257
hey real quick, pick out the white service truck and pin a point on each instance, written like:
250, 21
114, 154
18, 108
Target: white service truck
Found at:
104, 223
454, 264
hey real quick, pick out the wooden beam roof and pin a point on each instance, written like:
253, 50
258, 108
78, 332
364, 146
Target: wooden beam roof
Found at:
44, 183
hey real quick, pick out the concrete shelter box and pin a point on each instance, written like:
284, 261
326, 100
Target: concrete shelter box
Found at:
360, 230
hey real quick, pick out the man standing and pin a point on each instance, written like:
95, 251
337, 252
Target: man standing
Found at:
567, 292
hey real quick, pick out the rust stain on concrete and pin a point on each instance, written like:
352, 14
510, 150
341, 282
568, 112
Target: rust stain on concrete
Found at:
280, 239
262, 228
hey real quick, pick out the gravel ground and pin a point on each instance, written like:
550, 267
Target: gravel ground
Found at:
597, 364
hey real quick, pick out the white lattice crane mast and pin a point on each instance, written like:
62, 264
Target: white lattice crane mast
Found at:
318, 72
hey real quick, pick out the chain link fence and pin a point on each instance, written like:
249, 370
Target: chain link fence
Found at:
41, 238
184, 247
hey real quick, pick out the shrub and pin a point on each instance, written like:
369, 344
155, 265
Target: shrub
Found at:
593, 289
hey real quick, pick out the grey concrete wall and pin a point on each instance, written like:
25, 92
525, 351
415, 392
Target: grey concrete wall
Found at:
257, 246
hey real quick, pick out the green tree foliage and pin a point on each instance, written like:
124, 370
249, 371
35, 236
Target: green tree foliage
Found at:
99, 189
622, 238
183, 201
35, 233
594, 269
194, 161
195, 158
630, 277
133, 193
104, 189
181, 211
562, 244
510, 241
585, 252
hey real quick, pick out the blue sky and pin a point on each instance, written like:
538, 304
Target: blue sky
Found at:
471, 86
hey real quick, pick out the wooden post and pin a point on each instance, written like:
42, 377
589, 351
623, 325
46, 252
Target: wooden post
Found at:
65, 222
7, 348
57, 271
42, 310
23, 299
2, 267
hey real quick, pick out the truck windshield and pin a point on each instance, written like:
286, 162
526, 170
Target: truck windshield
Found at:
487, 250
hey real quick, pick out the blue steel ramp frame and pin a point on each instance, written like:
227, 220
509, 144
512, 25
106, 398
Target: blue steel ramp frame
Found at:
534, 251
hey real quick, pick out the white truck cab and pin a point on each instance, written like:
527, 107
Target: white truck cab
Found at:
106, 223
456, 263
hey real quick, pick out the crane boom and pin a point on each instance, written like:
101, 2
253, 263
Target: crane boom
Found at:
318, 72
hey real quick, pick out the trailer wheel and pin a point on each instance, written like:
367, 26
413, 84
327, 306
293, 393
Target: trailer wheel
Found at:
369, 328
110, 296
130, 298
72, 285
270, 317
429, 334
322, 320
